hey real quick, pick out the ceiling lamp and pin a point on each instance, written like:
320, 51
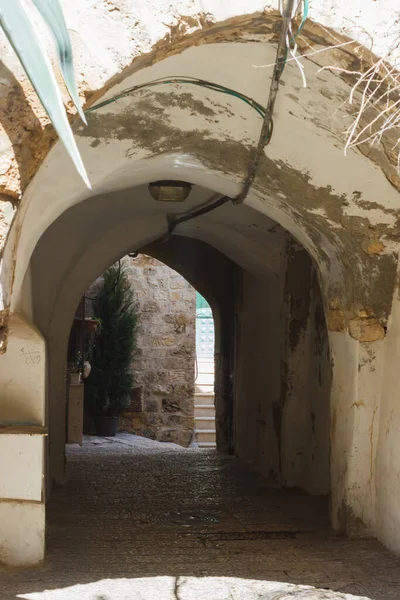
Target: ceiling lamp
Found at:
170, 191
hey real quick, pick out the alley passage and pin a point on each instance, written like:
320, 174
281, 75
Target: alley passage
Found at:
143, 520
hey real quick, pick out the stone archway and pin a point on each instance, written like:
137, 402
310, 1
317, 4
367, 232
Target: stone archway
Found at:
327, 205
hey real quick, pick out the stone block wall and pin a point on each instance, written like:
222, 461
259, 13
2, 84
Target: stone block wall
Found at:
162, 406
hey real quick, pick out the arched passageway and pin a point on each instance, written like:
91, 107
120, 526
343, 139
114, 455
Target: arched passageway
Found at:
272, 354
272, 358
300, 280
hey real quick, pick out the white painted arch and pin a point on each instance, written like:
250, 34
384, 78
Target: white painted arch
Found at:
305, 149
301, 136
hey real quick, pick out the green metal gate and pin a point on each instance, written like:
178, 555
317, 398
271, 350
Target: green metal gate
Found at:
204, 328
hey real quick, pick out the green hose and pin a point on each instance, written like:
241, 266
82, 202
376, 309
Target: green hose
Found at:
182, 80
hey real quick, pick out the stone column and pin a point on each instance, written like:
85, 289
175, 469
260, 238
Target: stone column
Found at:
22, 445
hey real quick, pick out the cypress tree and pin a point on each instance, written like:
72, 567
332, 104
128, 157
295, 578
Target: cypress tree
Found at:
108, 388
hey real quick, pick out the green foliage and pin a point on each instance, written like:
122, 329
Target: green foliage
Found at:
16, 23
107, 389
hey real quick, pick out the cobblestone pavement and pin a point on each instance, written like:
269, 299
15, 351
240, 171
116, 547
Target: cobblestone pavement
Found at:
143, 520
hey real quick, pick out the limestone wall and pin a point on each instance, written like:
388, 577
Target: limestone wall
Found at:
164, 363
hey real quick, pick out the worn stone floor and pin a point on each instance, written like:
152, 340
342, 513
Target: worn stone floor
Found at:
142, 520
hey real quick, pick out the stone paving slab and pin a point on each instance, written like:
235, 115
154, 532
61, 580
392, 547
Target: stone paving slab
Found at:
141, 520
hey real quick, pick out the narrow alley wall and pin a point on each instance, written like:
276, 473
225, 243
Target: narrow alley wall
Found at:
283, 377
162, 401
307, 374
258, 380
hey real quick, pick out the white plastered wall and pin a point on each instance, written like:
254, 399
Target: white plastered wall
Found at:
386, 438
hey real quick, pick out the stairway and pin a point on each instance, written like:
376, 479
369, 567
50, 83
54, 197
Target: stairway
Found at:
204, 411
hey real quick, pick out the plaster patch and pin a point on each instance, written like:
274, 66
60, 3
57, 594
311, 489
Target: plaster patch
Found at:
373, 212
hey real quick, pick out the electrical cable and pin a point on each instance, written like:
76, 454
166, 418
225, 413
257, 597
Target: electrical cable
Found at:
291, 38
287, 12
206, 208
286, 44
182, 80
267, 127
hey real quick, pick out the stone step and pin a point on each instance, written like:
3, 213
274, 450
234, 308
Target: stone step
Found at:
208, 369
205, 379
204, 389
204, 360
202, 423
207, 445
204, 398
205, 435
204, 410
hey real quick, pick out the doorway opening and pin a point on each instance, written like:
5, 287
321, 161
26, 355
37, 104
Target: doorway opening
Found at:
172, 394
204, 399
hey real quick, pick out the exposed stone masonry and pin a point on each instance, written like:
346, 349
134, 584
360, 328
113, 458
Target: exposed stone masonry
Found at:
163, 398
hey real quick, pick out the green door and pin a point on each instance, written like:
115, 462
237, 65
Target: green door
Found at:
204, 328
